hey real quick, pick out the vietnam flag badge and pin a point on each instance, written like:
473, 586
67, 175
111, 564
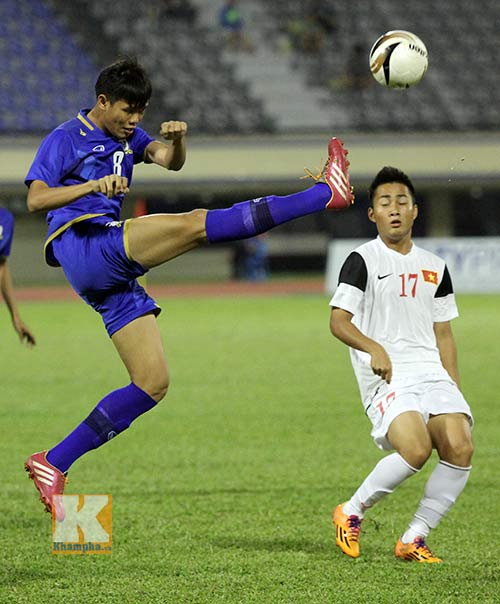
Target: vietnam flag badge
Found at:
430, 276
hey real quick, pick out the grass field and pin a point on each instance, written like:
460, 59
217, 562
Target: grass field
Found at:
223, 492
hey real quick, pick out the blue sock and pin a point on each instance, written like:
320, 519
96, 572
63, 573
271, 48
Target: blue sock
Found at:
255, 216
112, 415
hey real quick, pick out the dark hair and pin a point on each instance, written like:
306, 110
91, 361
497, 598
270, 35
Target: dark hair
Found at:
389, 174
125, 80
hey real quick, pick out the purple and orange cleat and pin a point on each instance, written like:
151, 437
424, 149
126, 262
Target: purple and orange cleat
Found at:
347, 531
49, 481
416, 551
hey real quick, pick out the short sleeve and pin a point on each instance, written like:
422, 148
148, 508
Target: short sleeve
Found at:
6, 232
141, 141
353, 271
352, 284
54, 158
445, 306
445, 287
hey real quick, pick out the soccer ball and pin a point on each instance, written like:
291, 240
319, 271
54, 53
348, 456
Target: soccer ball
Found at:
398, 59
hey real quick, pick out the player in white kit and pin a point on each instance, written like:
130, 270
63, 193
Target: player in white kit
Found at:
393, 307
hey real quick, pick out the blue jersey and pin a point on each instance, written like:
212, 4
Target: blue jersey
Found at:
76, 152
6, 232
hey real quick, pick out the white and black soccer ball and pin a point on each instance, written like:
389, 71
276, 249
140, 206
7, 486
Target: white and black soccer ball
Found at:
398, 59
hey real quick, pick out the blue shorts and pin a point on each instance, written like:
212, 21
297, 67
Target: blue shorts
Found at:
93, 255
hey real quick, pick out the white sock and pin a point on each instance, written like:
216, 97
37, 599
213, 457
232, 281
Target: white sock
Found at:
441, 491
389, 473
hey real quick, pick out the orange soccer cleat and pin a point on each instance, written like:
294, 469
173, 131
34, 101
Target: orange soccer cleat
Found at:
416, 551
347, 531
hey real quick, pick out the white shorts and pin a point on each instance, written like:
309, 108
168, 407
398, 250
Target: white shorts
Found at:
427, 396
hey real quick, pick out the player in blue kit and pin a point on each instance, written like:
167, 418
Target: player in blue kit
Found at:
6, 287
81, 174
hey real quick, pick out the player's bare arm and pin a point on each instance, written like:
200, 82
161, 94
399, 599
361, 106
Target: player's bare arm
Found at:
445, 341
41, 197
343, 329
173, 155
7, 289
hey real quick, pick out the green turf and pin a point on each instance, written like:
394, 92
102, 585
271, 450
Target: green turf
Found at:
223, 492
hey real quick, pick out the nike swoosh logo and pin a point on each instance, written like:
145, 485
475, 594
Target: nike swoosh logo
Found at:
384, 276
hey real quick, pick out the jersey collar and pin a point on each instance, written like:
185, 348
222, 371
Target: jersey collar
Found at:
391, 251
85, 121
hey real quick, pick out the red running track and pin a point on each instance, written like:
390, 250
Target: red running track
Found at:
218, 289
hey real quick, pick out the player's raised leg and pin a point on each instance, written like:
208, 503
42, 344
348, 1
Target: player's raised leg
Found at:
152, 240
155, 239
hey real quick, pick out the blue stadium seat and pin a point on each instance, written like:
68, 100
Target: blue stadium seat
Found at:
44, 70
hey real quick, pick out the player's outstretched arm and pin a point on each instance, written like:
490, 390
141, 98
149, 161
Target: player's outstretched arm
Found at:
342, 328
171, 156
22, 330
41, 197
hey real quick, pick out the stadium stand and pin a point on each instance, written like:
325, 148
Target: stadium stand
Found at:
52, 50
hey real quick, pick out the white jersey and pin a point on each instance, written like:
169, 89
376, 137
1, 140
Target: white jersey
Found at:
395, 299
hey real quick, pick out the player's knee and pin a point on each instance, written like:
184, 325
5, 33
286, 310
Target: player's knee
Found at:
159, 387
154, 383
159, 390
416, 453
457, 452
194, 224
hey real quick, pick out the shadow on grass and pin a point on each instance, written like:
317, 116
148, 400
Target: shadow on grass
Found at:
325, 550
11, 577
241, 491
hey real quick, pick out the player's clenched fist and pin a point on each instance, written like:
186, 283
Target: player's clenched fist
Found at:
110, 185
173, 130
381, 364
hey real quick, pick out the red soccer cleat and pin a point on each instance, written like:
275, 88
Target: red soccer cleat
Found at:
335, 174
48, 480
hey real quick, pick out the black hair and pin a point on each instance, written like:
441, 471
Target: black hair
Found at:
125, 80
389, 174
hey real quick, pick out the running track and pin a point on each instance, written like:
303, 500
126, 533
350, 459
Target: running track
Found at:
222, 289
